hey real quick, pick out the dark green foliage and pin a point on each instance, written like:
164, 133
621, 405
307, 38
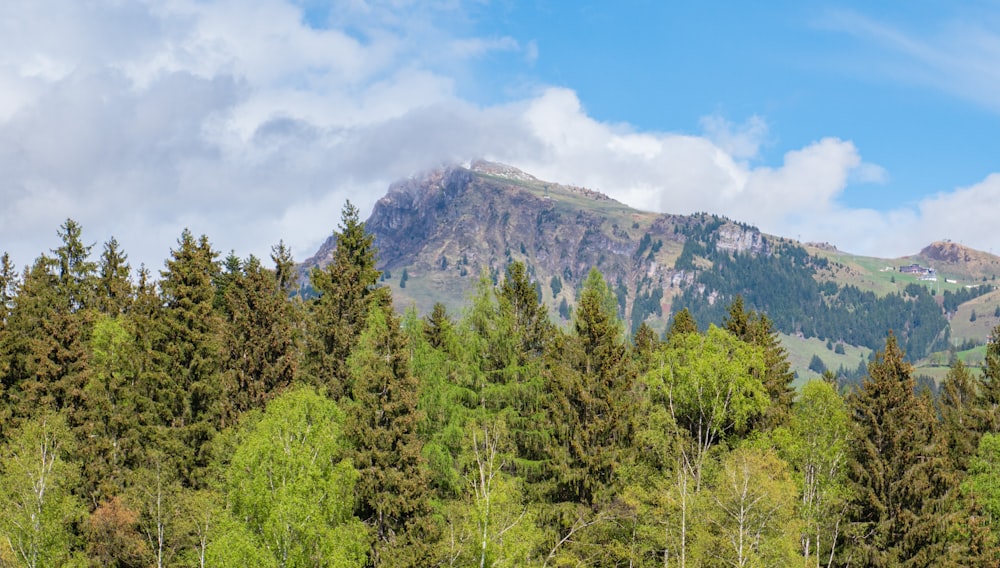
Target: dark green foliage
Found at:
403, 278
594, 398
899, 473
647, 303
817, 365
114, 290
682, 322
565, 312
259, 348
347, 288
783, 285
382, 424
188, 354
952, 299
494, 438
973, 316
755, 329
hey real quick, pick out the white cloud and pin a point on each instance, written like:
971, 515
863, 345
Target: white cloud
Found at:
960, 56
741, 142
246, 123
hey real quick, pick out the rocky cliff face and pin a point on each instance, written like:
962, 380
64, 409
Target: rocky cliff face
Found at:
449, 226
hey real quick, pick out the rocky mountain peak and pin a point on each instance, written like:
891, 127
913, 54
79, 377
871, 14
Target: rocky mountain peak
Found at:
947, 251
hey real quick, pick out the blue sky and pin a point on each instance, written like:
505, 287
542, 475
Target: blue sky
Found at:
867, 125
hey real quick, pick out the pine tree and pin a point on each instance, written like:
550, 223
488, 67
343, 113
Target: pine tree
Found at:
9, 286
50, 327
188, 353
594, 398
437, 326
382, 423
284, 267
898, 469
347, 288
259, 340
114, 288
990, 391
962, 422
683, 322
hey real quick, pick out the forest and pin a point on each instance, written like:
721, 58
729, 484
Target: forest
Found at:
782, 284
209, 415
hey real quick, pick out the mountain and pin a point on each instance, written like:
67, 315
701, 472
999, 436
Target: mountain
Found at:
438, 232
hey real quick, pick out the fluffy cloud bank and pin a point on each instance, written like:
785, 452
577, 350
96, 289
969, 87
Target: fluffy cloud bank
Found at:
250, 123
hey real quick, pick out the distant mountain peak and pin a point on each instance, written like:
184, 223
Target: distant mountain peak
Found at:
948, 251
501, 170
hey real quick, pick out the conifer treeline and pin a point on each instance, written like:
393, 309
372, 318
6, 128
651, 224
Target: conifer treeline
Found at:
211, 417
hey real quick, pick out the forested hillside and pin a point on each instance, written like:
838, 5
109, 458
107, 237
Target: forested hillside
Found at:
207, 415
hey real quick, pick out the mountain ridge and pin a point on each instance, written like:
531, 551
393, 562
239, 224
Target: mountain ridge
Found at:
439, 231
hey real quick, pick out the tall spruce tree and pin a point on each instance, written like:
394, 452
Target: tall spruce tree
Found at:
682, 323
594, 401
50, 324
382, 422
897, 472
990, 391
188, 353
114, 288
259, 340
347, 287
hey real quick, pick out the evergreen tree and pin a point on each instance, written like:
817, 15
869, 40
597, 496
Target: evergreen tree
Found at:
348, 289
897, 471
682, 323
594, 398
962, 421
382, 423
188, 354
990, 389
284, 267
437, 326
646, 343
259, 340
9, 286
50, 327
114, 289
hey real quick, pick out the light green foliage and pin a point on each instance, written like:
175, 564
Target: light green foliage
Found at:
109, 423
984, 478
816, 444
752, 511
710, 385
35, 494
492, 525
290, 490
382, 424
